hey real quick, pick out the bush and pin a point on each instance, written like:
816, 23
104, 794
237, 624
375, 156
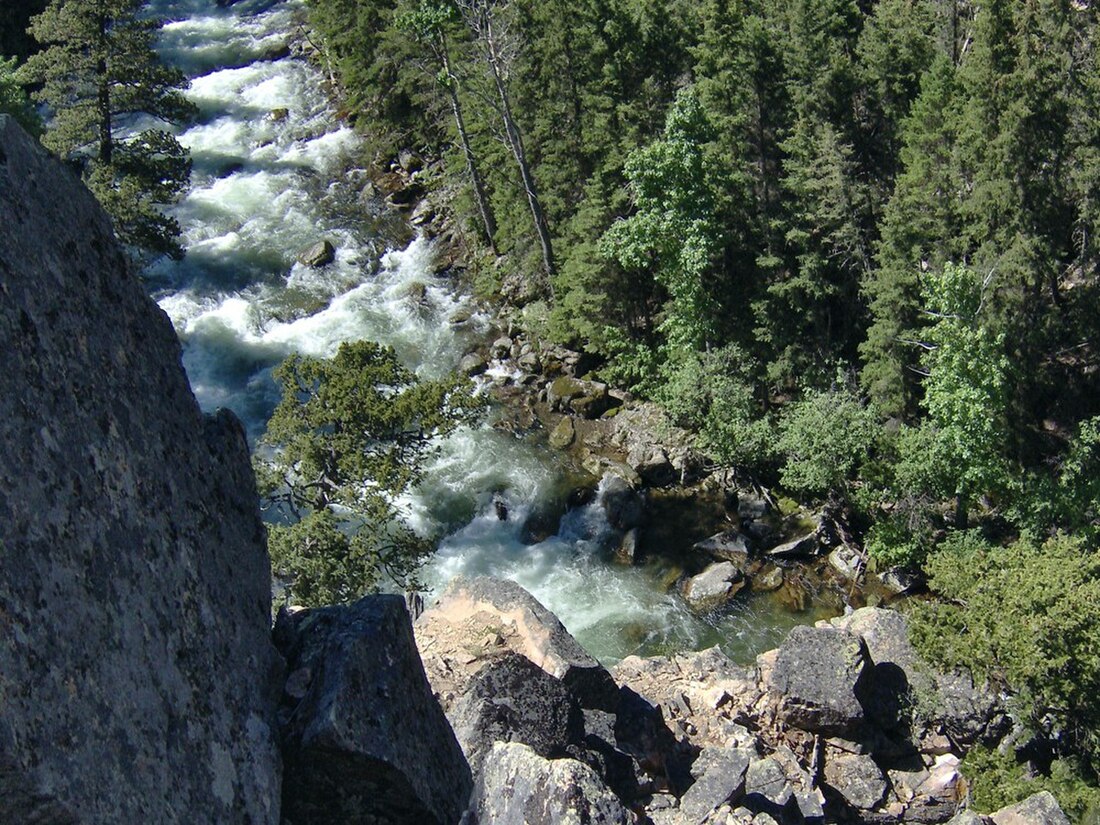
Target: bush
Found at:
998, 779
712, 394
825, 437
1025, 616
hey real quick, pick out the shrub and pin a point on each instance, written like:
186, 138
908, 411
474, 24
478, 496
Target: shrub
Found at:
1026, 616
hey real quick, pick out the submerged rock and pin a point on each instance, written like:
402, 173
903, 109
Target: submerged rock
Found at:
714, 586
320, 254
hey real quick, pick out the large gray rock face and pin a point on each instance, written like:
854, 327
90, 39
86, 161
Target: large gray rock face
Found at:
821, 677
364, 738
136, 665
511, 699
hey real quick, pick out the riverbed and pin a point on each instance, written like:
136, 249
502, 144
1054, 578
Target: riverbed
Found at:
271, 177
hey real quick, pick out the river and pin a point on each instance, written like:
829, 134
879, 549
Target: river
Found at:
268, 183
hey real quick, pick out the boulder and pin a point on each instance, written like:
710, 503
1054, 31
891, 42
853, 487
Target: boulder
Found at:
512, 700
628, 547
719, 775
406, 195
967, 817
900, 581
423, 214
858, 780
529, 362
847, 561
730, 545
519, 787
623, 505
969, 713
137, 677
652, 463
800, 547
501, 347
716, 585
948, 701
752, 508
410, 161
319, 254
279, 114
366, 740
472, 364
768, 579
474, 609
588, 399
563, 434
820, 679
767, 786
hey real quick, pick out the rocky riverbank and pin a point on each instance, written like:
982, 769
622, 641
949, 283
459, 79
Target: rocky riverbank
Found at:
842, 723
701, 518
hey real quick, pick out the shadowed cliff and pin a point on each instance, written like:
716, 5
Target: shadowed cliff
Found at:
135, 658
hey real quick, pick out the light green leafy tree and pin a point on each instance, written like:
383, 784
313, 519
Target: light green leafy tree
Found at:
825, 437
349, 436
97, 72
963, 450
675, 231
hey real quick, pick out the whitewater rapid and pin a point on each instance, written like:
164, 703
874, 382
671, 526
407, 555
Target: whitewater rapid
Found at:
270, 179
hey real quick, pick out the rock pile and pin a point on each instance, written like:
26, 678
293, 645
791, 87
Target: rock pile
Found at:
843, 723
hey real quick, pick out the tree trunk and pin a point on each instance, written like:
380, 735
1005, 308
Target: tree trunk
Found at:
515, 143
103, 98
483, 206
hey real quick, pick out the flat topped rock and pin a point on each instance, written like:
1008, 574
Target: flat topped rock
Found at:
821, 679
478, 617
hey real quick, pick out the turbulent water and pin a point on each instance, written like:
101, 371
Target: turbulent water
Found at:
269, 180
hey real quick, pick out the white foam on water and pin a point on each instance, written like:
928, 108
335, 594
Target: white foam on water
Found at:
241, 304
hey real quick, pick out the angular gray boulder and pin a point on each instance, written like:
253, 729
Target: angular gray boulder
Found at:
137, 672
821, 678
1038, 809
858, 780
519, 787
512, 700
364, 739
719, 775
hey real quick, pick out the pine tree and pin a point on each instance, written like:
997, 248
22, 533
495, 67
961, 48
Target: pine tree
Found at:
920, 232
98, 72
